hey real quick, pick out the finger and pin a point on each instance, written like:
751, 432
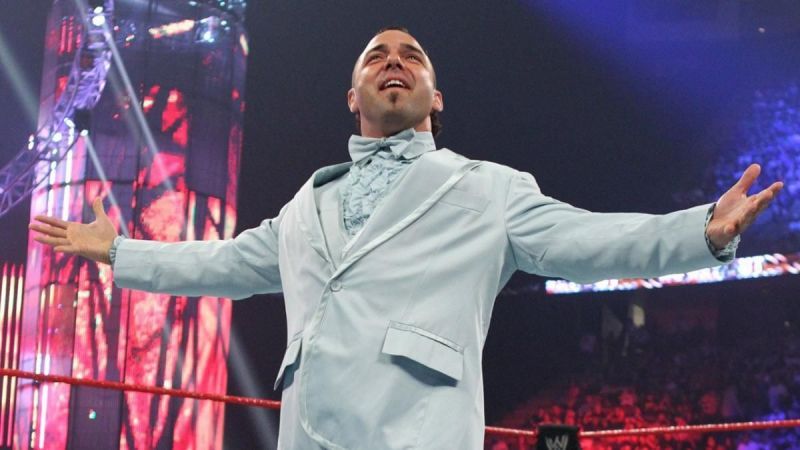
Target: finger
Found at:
766, 196
754, 211
765, 200
748, 178
775, 187
51, 240
763, 197
97, 206
48, 230
52, 221
770, 192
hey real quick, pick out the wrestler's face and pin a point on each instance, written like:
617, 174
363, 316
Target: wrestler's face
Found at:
393, 86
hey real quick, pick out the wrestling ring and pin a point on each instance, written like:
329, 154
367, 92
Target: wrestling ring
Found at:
525, 438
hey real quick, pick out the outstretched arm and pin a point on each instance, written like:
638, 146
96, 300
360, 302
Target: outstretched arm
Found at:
553, 238
235, 268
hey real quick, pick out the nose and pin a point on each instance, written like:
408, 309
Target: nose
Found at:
393, 61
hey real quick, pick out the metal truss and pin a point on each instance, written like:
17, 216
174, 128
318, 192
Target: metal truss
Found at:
54, 139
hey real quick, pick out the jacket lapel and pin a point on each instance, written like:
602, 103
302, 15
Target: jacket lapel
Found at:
421, 187
307, 207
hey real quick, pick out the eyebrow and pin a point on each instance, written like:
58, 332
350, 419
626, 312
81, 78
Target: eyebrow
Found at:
384, 48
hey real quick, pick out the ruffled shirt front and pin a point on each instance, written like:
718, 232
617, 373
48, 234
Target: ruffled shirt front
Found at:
377, 164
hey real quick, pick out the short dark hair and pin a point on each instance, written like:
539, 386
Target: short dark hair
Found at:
436, 122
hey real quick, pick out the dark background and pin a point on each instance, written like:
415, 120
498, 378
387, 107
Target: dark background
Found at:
604, 121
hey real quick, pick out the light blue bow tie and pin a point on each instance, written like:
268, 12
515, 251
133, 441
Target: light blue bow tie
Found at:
407, 144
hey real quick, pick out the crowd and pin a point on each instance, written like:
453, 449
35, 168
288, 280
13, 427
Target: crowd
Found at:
768, 132
677, 379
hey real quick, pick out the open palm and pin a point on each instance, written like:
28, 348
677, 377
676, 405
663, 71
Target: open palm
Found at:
91, 240
735, 210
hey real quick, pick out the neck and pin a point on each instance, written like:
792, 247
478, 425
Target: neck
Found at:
375, 131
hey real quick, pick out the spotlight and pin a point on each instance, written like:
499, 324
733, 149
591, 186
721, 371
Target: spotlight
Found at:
98, 20
208, 30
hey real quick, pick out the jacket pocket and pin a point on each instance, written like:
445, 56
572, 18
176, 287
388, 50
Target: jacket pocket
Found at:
289, 358
464, 199
426, 348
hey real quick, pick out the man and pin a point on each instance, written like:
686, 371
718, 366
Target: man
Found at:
390, 264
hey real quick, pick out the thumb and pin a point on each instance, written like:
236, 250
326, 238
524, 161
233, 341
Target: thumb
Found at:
97, 207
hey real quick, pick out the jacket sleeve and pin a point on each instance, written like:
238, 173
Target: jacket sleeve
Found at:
555, 239
234, 268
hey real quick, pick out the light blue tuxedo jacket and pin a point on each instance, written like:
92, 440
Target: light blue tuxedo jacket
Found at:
385, 340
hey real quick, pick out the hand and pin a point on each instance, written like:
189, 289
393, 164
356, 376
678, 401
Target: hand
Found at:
735, 211
91, 241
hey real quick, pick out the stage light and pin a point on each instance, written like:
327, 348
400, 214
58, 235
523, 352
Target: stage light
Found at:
243, 373
208, 30
99, 20
172, 29
11, 69
243, 43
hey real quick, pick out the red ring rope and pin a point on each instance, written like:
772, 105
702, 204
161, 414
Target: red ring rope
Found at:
273, 404
707, 428
117, 386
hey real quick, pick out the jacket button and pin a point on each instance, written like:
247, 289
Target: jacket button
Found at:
336, 285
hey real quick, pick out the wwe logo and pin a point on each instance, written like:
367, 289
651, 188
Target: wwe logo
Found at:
557, 443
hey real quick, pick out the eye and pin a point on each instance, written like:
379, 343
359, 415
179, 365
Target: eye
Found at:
373, 57
414, 57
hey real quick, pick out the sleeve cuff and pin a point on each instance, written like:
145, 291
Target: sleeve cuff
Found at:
112, 252
727, 253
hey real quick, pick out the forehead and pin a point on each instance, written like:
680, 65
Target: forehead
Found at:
392, 39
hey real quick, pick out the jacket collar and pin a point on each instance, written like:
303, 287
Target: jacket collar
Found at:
430, 176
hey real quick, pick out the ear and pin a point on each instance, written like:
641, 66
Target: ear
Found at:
438, 101
351, 101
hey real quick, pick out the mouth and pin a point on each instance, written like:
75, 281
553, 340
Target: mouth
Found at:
393, 83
